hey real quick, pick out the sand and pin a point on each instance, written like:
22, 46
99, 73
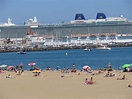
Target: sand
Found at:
50, 85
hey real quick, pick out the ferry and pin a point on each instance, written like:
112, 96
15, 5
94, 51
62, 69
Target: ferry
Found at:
87, 49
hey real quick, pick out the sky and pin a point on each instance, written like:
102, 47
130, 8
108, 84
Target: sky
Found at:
58, 11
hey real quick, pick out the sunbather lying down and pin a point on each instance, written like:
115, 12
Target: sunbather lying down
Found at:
130, 85
9, 76
121, 78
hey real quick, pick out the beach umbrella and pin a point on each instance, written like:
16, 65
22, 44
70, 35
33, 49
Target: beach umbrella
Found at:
32, 64
3, 66
10, 67
86, 67
126, 65
34, 71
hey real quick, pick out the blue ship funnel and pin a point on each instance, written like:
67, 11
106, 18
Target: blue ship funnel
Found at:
79, 17
100, 16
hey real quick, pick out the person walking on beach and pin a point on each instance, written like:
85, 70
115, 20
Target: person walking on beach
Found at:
21, 66
73, 69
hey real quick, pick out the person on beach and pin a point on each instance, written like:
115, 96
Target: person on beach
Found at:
1, 71
48, 68
21, 66
109, 74
130, 85
9, 76
121, 78
87, 82
37, 73
64, 70
16, 68
97, 73
19, 72
57, 68
73, 69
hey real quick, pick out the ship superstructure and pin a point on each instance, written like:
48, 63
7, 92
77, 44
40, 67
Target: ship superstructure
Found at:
9, 23
100, 19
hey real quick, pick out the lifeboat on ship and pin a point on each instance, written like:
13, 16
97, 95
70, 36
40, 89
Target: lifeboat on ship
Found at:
102, 34
93, 35
48, 36
83, 35
112, 34
75, 35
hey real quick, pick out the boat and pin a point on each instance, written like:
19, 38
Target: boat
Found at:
103, 47
21, 52
33, 23
87, 49
33, 38
9, 23
80, 25
100, 19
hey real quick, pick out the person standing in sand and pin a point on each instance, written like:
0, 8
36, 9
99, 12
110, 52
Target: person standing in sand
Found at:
21, 66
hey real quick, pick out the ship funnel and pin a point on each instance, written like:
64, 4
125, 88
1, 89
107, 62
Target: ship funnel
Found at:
79, 17
35, 19
100, 16
9, 21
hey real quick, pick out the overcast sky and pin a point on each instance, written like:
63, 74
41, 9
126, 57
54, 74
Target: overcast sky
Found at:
56, 11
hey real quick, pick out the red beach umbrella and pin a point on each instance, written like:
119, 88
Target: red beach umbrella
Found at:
10, 67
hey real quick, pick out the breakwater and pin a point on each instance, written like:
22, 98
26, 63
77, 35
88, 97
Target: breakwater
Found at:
62, 47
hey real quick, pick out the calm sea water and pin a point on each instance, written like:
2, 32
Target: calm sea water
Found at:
95, 58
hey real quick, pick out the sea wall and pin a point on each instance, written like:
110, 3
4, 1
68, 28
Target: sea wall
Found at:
48, 48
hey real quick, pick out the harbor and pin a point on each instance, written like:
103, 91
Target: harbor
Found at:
65, 49
33, 42
76, 34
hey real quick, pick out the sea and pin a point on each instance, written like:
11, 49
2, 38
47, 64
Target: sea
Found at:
117, 56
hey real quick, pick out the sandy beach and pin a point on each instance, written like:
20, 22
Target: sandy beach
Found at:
57, 85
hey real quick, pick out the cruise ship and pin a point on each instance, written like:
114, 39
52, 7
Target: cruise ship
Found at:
79, 26
101, 19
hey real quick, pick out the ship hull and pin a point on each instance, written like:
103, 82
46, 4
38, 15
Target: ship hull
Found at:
66, 29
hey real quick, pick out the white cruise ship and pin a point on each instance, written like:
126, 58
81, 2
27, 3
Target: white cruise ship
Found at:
33, 23
9, 23
101, 24
100, 18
